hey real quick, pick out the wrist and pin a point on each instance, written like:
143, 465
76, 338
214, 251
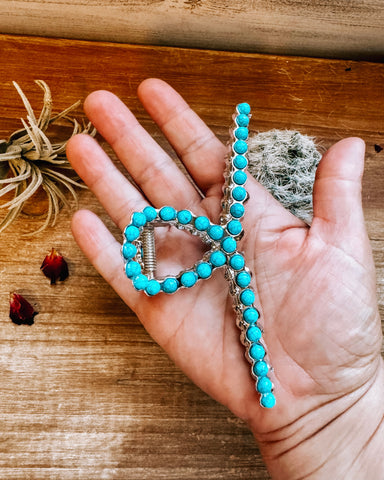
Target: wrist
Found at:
341, 438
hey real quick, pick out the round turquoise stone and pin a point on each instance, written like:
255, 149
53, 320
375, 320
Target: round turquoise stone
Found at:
240, 146
218, 259
204, 270
243, 279
247, 297
237, 210
244, 108
239, 194
260, 368
129, 250
153, 287
216, 232
239, 177
184, 216
229, 244
253, 333
140, 282
240, 161
188, 279
201, 223
241, 133
264, 385
251, 315
139, 219
237, 261
150, 213
234, 227
242, 120
257, 352
167, 213
170, 285
268, 400
131, 233
132, 269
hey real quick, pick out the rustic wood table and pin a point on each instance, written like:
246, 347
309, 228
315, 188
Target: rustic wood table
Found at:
85, 393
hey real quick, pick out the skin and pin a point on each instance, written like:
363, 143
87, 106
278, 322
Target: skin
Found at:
315, 286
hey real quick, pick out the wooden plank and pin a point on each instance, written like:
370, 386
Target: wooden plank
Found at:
335, 28
85, 392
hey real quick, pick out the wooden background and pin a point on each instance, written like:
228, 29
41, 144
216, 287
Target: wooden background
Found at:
85, 393
330, 28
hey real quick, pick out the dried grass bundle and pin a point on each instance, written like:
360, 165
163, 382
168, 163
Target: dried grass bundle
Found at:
29, 161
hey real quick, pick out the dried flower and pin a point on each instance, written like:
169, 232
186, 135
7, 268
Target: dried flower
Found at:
54, 267
29, 160
21, 312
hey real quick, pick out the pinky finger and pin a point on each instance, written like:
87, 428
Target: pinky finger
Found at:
103, 251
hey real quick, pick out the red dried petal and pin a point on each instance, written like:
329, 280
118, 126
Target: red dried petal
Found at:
21, 312
54, 267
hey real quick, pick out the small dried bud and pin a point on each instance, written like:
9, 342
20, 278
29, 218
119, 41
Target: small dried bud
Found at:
21, 312
54, 267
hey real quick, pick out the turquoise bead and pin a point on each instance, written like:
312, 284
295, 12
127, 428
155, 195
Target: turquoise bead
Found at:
132, 269
244, 108
242, 120
241, 133
253, 333
131, 233
240, 146
218, 259
216, 232
237, 261
268, 400
150, 213
188, 279
153, 287
229, 244
239, 177
251, 315
139, 219
240, 161
264, 385
260, 368
201, 223
239, 194
204, 270
184, 216
170, 285
247, 297
140, 282
243, 279
236, 210
257, 352
234, 227
167, 213
129, 250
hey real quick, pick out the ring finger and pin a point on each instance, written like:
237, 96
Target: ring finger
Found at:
157, 175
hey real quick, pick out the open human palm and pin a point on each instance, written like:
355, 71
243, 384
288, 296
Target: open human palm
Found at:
315, 286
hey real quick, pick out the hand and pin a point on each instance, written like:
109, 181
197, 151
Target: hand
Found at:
315, 286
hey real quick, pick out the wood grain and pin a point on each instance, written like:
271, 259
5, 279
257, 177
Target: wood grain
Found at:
332, 28
85, 393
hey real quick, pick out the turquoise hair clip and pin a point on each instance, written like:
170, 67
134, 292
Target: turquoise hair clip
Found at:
139, 253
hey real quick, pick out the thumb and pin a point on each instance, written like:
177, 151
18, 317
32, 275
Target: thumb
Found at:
337, 206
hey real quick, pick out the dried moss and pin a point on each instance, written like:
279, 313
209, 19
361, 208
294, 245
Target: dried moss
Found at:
285, 162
